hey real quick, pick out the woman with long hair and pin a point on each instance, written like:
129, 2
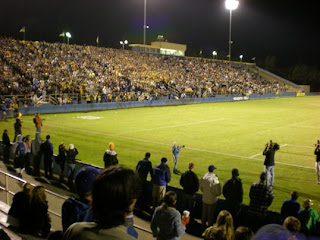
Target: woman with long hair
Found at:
222, 230
40, 222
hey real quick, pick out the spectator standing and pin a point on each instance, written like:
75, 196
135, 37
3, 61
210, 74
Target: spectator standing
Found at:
17, 129
269, 152
28, 154
317, 164
4, 116
190, 184
143, 168
47, 152
36, 154
114, 194
6, 143
18, 213
110, 157
161, 176
37, 122
39, 220
71, 159
309, 218
261, 197
166, 220
233, 192
79, 209
222, 229
61, 160
211, 189
19, 150
291, 207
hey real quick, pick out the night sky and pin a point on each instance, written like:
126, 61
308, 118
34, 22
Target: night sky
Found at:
286, 29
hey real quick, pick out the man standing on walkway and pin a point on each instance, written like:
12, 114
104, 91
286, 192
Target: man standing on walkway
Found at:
36, 154
233, 192
211, 188
47, 152
190, 184
6, 143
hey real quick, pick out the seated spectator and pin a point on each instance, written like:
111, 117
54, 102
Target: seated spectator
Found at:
166, 221
18, 212
79, 209
243, 233
222, 229
114, 195
309, 218
39, 221
110, 157
292, 224
291, 207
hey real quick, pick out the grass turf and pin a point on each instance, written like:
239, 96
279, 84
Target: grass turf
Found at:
228, 135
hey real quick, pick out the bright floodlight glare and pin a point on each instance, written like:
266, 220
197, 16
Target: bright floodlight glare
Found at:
68, 35
232, 4
121, 42
214, 53
125, 41
241, 56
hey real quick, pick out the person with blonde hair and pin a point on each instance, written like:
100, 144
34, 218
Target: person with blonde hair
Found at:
110, 156
222, 229
39, 220
71, 160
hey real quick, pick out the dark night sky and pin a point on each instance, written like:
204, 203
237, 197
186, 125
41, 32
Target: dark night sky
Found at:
286, 29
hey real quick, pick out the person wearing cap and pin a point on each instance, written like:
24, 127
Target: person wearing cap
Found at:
114, 194
211, 189
78, 209
291, 207
71, 160
309, 218
233, 192
110, 157
190, 184
161, 176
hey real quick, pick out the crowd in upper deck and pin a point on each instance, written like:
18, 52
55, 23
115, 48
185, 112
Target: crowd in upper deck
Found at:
41, 68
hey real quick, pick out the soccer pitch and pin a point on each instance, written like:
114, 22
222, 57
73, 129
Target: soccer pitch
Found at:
228, 135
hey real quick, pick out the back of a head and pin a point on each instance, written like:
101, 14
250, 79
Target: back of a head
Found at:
39, 195
147, 155
164, 160
84, 179
294, 195
243, 233
214, 233
111, 146
170, 199
27, 188
235, 172
225, 221
48, 137
272, 232
292, 224
114, 193
191, 165
263, 176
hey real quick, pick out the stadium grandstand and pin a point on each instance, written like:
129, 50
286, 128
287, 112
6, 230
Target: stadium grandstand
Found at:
62, 73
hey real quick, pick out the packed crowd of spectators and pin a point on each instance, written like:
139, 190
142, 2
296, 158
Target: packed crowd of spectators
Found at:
105, 74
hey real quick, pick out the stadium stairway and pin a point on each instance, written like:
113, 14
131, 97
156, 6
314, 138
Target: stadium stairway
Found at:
56, 196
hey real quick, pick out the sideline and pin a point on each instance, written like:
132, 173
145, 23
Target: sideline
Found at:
166, 144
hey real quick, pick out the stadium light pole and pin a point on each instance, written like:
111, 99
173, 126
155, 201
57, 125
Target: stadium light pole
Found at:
231, 5
214, 53
68, 35
125, 42
145, 22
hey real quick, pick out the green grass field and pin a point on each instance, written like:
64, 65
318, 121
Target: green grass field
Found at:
228, 135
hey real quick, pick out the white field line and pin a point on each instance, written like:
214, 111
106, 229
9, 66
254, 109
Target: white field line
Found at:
166, 144
173, 126
300, 146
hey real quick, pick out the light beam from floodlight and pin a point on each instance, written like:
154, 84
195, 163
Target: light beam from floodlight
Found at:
231, 5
